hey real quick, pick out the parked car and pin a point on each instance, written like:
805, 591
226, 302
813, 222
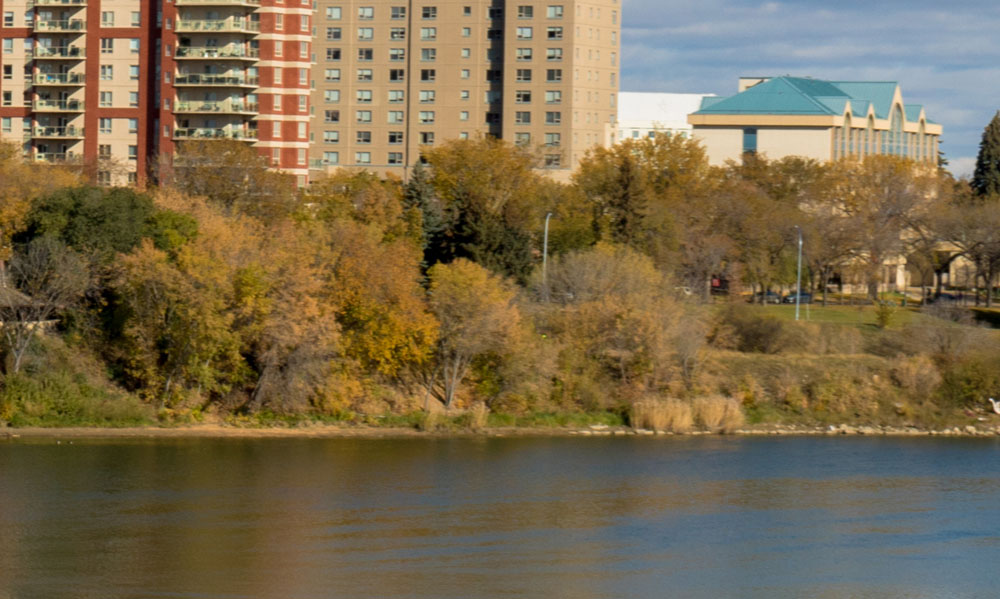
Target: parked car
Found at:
769, 297
804, 298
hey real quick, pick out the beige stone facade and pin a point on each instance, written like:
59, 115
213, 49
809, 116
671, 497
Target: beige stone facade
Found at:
394, 77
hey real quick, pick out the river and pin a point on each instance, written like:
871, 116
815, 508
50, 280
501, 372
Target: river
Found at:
429, 518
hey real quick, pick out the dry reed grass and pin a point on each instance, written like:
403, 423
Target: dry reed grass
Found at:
671, 415
478, 415
718, 414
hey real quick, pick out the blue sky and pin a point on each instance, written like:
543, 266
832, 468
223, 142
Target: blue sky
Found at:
945, 55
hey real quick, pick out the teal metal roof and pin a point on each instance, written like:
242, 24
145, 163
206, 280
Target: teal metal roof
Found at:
801, 95
912, 111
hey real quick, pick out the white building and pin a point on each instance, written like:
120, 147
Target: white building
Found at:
641, 114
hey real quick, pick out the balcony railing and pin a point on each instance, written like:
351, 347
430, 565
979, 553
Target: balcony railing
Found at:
218, 2
216, 25
80, 3
59, 79
65, 52
205, 52
57, 106
216, 80
215, 133
60, 132
54, 157
227, 106
63, 26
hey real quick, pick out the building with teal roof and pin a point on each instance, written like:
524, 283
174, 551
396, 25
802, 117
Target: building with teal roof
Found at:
813, 118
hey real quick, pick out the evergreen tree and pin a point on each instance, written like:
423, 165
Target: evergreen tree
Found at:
986, 179
627, 204
419, 195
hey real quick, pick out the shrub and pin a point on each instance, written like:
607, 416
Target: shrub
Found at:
719, 414
752, 331
478, 415
918, 376
885, 310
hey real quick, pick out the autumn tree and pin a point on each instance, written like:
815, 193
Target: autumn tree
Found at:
477, 315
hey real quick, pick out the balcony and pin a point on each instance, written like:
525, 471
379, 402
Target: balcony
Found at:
57, 132
214, 133
253, 3
57, 106
199, 80
218, 25
61, 26
59, 53
80, 3
224, 107
54, 157
203, 53
59, 79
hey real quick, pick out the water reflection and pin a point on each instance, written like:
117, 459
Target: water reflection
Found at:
582, 518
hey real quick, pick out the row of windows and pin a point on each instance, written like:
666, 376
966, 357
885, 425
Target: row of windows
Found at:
428, 117
396, 158
429, 96
429, 13
107, 19
332, 136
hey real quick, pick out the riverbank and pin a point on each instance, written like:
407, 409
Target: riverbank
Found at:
214, 431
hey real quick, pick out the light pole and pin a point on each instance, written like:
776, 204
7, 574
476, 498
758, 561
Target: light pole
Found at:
798, 275
545, 256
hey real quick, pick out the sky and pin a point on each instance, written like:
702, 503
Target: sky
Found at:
944, 55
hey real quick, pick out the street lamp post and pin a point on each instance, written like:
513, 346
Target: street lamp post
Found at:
798, 275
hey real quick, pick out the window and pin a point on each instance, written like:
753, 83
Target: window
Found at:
466, 31
395, 137
553, 118
428, 74
363, 137
397, 54
133, 99
522, 118
133, 125
522, 139
395, 158
133, 72
107, 19
428, 33
366, 13
363, 96
8, 46
750, 141
395, 116
522, 97
365, 54
614, 17
397, 74
8, 71
304, 23
426, 117
397, 33
556, 11
104, 151
463, 115
8, 19
333, 34
525, 12
494, 34
331, 137
331, 157
331, 116
428, 54
8, 98
107, 45
555, 33
523, 54
553, 161
363, 116
492, 118
135, 20
398, 12
107, 72
429, 12
426, 137
104, 125
366, 34
524, 33
331, 74
133, 152
493, 96
553, 139
333, 54
553, 97
333, 13
303, 77
554, 54
553, 75
395, 96
524, 74
465, 73
467, 11
364, 75
466, 53
426, 95
496, 12
331, 96
133, 46
362, 157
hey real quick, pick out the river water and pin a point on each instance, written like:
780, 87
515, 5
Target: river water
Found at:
500, 517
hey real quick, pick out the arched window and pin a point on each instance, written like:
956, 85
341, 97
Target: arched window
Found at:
848, 136
870, 136
896, 132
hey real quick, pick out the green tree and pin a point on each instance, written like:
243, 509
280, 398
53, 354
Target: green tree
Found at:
986, 178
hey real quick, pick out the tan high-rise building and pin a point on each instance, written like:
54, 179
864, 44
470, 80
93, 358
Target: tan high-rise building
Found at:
393, 77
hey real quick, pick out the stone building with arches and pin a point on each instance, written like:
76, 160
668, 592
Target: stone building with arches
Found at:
813, 118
